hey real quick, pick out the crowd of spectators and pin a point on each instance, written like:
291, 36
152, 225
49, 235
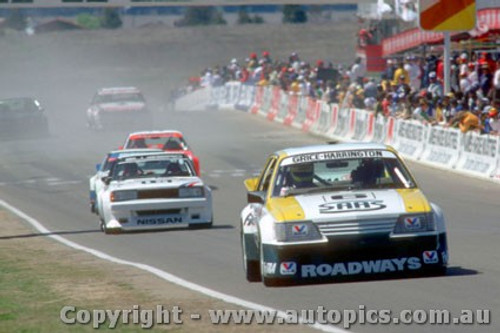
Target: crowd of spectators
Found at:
411, 87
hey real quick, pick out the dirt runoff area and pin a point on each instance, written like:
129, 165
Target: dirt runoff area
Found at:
40, 277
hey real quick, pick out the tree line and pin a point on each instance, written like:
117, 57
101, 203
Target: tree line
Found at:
193, 16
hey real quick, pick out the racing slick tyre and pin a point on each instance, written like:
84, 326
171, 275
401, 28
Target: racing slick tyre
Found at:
102, 226
104, 229
251, 267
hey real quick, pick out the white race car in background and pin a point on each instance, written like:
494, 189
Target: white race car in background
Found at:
118, 106
154, 192
96, 183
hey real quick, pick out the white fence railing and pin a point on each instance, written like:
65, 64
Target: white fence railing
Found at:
446, 148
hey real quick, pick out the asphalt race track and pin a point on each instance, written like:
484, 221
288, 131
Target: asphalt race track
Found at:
48, 179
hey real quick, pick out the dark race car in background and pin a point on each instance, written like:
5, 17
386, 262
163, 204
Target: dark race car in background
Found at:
118, 107
23, 116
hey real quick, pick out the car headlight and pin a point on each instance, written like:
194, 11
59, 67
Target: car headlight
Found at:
296, 231
123, 195
191, 192
415, 223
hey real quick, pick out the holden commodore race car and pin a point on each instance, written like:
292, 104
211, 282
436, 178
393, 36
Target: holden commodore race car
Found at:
118, 106
154, 192
23, 116
96, 183
167, 140
336, 211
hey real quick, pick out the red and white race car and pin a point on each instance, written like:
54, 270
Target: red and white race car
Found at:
167, 140
118, 106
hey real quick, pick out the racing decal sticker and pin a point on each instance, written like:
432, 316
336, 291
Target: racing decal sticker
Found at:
430, 257
159, 220
288, 268
412, 223
336, 155
249, 220
269, 268
300, 230
351, 206
361, 267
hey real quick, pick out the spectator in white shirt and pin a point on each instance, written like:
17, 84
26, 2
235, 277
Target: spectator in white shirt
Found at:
414, 72
496, 82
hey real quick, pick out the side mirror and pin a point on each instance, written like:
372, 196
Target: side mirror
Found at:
98, 166
120, 148
251, 184
106, 180
256, 197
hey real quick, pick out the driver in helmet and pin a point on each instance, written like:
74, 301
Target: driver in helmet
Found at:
301, 175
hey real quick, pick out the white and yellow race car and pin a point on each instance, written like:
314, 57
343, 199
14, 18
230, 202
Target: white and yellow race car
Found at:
334, 211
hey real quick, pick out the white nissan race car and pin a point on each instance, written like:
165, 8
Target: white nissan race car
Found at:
154, 192
102, 170
336, 211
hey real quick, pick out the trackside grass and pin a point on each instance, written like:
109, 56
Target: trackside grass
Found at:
38, 277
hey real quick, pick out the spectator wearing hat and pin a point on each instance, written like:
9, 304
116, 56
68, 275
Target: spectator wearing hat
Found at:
389, 69
472, 73
435, 87
430, 65
492, 125
462, 63
444, 110
485, 80
267, 57
252, 62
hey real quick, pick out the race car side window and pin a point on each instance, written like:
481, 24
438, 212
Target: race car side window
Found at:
267, 174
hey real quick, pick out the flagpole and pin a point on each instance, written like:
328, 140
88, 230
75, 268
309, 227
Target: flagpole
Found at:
447, 63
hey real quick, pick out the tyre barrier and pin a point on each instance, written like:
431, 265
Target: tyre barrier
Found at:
447, 148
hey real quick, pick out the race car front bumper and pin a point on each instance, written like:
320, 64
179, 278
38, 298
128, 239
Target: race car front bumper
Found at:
355, 256
159, 214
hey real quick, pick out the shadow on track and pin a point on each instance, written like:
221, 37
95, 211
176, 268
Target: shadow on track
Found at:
453, 271
43, 234
178, 229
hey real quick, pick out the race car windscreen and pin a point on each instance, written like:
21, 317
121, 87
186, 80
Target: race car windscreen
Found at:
320, 172
133, 169
122, 97
161, 142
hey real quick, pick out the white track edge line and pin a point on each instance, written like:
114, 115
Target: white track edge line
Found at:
162, 274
